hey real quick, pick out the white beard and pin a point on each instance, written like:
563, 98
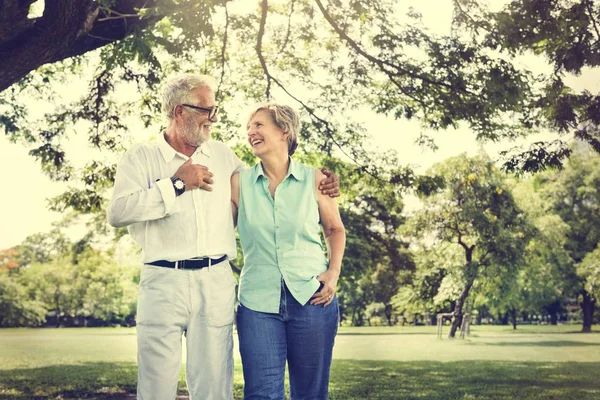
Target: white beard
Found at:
193, 135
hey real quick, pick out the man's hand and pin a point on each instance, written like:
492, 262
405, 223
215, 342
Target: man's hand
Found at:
195, 176
330, 186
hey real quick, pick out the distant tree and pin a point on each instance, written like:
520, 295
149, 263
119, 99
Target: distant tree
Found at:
574, 195
419, 296
109, 290
16, 307
376, 260
589, 270
42, 247
385, 282
8, 259
52, 285
476, 213
547, 280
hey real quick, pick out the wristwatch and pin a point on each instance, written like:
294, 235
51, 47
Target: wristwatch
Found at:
178, 185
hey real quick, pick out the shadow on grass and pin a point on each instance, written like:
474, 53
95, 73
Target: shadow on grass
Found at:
385, 333
88, 380
471, 380
350, 379
111, 381
549, 343
543, 332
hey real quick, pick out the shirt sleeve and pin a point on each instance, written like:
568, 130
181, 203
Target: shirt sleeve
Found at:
134, 199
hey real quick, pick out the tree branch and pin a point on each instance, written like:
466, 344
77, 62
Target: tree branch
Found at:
289, 28
14, 18
588, 6
382, 64
261, 32
476, 24
223, 51
68, 28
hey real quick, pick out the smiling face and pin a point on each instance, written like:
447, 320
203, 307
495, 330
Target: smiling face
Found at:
264, 136
194, 125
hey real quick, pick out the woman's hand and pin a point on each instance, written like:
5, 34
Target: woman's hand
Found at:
324, 296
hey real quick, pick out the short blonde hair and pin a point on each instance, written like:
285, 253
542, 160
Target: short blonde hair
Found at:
178, 90
284, 118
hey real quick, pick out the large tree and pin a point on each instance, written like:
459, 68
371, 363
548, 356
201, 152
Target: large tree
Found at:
70, 28
331, 59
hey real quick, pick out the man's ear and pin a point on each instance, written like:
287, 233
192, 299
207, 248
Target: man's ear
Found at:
178, 112
285, 136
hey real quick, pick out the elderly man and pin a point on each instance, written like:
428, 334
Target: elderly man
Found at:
173, 194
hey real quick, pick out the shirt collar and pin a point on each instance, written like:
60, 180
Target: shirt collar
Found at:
166, 150
169, 153
294, 170
206, 149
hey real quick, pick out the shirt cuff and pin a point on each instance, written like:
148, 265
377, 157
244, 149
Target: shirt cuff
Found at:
167, 192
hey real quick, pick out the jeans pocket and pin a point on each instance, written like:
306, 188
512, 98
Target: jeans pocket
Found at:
321, 284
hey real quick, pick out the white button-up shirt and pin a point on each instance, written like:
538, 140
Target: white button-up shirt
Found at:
196, 224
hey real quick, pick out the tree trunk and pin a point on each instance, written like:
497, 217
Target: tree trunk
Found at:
388, 314
513, 314
588, 305
503, 318
458, 310
57, 308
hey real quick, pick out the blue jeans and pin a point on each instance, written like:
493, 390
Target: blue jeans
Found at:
303, 336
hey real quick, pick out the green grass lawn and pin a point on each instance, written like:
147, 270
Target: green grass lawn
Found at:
369, 363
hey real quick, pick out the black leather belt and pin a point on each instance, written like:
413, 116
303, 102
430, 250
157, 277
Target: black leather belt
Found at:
188, 264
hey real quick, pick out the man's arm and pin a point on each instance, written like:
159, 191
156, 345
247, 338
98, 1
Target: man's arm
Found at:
133, 199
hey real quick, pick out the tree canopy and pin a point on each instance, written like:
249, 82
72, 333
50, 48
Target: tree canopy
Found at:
331, 59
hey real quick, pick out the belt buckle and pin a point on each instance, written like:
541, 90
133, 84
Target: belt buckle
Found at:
177, 264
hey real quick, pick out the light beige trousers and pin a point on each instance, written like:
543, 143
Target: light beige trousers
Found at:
195, 303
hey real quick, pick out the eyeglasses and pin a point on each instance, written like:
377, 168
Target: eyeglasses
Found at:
212, 112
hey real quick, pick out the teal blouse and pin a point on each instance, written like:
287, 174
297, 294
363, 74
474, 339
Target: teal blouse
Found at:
281, 237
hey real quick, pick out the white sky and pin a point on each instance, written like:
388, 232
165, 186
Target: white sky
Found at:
23, 206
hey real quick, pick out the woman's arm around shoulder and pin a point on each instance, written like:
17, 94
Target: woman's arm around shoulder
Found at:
235, 196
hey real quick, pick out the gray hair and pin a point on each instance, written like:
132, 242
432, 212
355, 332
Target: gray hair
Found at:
178, 90
284, 118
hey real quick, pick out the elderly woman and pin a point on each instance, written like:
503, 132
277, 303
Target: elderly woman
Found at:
288, 309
